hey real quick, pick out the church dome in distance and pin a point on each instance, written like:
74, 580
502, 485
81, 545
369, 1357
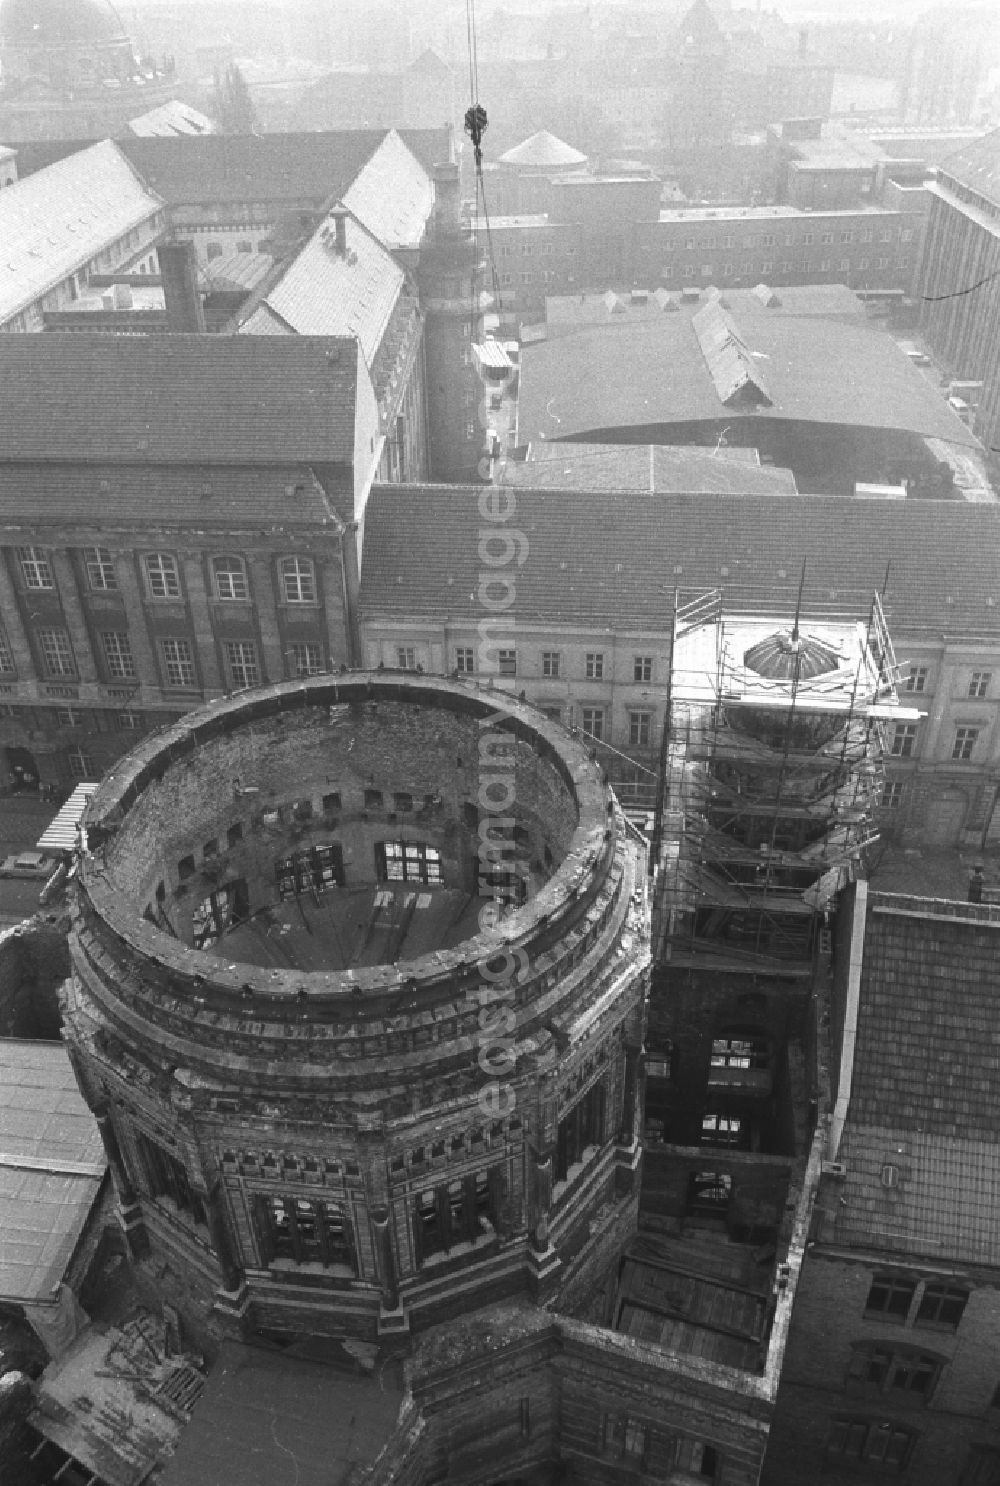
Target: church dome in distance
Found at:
543, 151
775, 658
57, 23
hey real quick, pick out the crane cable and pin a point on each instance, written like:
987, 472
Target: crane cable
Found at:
476, 124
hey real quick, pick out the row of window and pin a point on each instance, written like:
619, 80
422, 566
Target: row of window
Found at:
594, 663
764, 269
162, 577
790, 239
917, 678
904, 739
878, 1445
177, 659
891, 1298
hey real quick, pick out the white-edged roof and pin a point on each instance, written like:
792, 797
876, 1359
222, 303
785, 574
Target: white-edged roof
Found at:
58, 219
392, 195
175, 117
60, 833
543, 151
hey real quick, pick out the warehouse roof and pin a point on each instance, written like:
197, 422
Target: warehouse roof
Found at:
652, 372
616, 559
647, 467
392, 194
180, 399
51, 1166
54, 222
921, 1140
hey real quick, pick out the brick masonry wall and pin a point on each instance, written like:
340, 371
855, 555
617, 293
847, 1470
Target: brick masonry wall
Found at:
830, 1305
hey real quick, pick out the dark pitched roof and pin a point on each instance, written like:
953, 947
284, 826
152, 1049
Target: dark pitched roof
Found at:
615, 560
177, 399
652, 372
923, 1096
284, 168
233, 499
977, 165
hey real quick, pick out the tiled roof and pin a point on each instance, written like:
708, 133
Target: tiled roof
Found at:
543, 151
923, 1097
234, 498
54, 222
51, 1166
178, 399
650, 372
392, 195
646, 467
326, 292
594, 558
977, 165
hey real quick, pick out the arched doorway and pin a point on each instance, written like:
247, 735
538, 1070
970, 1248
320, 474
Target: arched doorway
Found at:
945, 814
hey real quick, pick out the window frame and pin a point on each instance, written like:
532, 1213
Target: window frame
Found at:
894, 1287
162, 568
592, 722
903, 741
507, 663
916, 680
550, 664
35, 568
640, 727
593, 665
243, 667
979, 683
642, 668
938, 1296
300, 573
236, 568
118, 658
302, 666
180, 663
964, 745
99, 566
465, 660
55, 649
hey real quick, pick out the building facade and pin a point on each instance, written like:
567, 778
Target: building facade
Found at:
588, 629
900, 1278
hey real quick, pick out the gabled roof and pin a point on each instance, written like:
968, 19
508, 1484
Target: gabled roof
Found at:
615, 560
923, 1092
977, 165
648, 371
51, 1166
55, 221
543, 151
327, 292
81, 397
392, 195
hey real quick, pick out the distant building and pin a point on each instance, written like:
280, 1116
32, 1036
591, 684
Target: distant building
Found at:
421, 95
957, 289
68, 70
949, 57
900, 1279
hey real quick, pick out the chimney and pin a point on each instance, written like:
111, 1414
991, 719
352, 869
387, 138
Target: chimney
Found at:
179, 275
447, 200
339, 215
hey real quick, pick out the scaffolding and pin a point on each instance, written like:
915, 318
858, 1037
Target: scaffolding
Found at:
771, 768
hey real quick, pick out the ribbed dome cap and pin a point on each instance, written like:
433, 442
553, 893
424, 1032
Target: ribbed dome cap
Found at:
53, 23
775, 657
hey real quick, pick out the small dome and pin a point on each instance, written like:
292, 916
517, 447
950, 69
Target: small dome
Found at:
56, 23
775, 657
543, 151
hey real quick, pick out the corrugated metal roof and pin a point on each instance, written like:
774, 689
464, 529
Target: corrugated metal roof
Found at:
492, 355
60, 833
55, 221
51, 1166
